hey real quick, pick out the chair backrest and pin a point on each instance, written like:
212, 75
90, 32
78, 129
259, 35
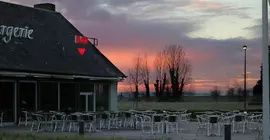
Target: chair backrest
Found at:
37, 117
213, 119
127, 114
201, 120
73, 117
104, 116
157, 118
239, 118
58, 117
172, 118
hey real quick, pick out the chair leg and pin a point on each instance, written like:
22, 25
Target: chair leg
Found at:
70, 125
100, 124
55, 126
63, 126
176, 126
32, 126
39, 124
26, 121
19, 123
152, 129
90, 127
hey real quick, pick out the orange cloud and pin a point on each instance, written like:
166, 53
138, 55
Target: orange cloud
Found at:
206, 4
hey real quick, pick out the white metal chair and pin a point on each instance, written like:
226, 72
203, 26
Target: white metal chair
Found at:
171, 124
239, 122
201, 124
38, 120
25, 117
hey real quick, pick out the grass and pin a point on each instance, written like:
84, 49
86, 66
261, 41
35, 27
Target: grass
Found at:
226, 106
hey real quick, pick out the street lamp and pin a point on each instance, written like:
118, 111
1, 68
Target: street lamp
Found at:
245, 77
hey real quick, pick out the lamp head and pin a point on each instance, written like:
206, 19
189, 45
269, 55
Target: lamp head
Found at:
244, 47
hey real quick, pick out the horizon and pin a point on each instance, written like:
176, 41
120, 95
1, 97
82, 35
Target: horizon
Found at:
212, 33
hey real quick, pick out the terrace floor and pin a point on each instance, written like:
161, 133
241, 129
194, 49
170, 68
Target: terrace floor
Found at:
137, 134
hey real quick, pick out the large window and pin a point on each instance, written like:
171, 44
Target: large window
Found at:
102, 96
7, 100
48, 96
68, 96
27, 96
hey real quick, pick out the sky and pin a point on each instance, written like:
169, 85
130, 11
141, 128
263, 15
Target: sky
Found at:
212, 32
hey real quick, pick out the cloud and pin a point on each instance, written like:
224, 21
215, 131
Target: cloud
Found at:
125, 27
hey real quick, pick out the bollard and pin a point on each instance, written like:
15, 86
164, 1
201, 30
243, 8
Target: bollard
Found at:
228, 132
81, 128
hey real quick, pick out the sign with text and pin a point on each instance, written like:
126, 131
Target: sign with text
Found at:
81, 40
8, 32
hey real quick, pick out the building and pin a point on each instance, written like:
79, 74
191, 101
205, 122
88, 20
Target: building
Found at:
42, 69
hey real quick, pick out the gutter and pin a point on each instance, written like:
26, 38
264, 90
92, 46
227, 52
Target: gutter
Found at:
40, 75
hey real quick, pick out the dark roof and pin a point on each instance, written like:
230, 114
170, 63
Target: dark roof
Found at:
52, 49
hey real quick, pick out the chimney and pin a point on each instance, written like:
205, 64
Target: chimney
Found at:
45, 6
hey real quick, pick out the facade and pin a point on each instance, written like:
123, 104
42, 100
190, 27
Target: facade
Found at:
42, 69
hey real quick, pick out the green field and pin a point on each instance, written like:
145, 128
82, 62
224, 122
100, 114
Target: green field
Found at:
125, 105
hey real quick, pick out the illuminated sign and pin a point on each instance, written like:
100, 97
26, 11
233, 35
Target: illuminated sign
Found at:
81, 40
8, 32
81, 50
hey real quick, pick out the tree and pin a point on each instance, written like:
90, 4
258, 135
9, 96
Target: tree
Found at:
257, 89
135, 76
178, 68
231, 91
215, 93
146, 75
161, 76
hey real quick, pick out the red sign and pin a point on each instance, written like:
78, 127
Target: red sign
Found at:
81, 40
81, 50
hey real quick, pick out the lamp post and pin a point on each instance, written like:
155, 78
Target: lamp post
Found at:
265, 58
245, 77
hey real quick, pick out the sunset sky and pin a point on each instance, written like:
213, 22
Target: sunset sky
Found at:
212, 33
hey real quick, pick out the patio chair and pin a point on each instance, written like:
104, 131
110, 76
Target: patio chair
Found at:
128, 121
72, 120
171, 124
104, 120
38, 120
213, 120
25, 117
113, 119
58, 119
88, 121
253, 121
201, 124
239, 122
157, 122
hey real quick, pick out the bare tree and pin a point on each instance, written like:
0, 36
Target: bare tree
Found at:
178, 67
238, 87
215, 93
135, 75
231, 91
146, 75
161, 77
